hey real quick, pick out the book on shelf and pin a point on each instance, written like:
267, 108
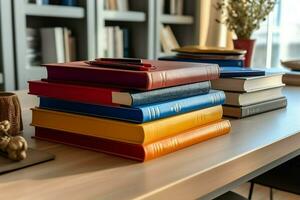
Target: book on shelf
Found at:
148, 75
69, 2
113, 96
138, 114
136, 151
38, 2
118, 5
249, 84
116, 42
167, 39
123, 131
172, 7
33, 51
58, 45
254, 109
1, 78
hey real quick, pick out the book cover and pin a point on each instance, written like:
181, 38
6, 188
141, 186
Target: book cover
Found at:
109, 96
123, 131
246, 111
249, 98
135, 151
162, 74
220, 62
139, 114
248, 84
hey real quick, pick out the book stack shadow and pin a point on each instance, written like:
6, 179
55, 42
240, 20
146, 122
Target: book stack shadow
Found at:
133, 108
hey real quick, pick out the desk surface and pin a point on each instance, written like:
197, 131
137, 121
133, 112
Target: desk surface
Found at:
205, 170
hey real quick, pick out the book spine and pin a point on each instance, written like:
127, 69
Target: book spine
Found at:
161, 129
176, 107
93, 95
126, 43
263, 107
161, 95
170, 78
186, 139
68, 2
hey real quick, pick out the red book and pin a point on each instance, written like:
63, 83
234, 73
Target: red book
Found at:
160, 74
72, 92
137, 151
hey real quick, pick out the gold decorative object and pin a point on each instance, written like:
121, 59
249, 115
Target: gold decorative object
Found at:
10, 110
14, 147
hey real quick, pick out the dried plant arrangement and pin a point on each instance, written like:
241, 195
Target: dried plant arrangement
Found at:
244, 16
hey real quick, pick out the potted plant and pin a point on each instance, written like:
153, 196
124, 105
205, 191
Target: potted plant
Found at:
243, 17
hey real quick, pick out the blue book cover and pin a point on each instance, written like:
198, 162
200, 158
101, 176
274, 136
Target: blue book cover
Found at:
221, 63
139, 114
230, 72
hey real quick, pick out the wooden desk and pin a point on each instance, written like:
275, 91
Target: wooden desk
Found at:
205, 170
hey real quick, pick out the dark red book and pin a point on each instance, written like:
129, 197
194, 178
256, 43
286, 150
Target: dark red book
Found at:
148, 75
137, 151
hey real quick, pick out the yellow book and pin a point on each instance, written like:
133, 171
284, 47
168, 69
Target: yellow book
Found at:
123, 131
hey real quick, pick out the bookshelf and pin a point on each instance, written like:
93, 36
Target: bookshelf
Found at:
80, 19
183, 26
138, 20
7, 70
87, 21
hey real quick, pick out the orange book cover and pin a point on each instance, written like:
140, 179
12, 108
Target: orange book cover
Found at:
137, 151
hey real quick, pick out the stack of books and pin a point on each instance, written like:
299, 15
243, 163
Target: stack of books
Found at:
246, 96
222, 56
138, 109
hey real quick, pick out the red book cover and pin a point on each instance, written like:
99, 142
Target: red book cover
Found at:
72, 92
162, 74
137, 151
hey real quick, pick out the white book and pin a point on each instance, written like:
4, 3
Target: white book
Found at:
110, 41
169, 41
53, 45
66, 44
173, 7
179, 7
119, 43
122, 5
1, 78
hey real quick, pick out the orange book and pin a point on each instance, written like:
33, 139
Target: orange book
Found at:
137, 151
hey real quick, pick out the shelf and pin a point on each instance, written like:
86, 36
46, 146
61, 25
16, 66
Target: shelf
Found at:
54, 11
176, 19
129, 16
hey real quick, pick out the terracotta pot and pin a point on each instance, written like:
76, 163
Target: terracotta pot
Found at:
247, 45
10, 110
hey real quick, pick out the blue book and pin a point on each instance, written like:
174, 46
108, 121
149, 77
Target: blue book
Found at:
139, 114
230, 72
69, 2
221, 63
